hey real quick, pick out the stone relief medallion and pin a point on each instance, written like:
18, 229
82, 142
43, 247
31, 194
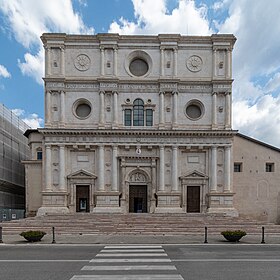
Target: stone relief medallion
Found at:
82, 62
194, 63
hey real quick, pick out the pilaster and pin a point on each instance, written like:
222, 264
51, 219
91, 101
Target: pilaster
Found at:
161, 108
48, 168
62, 185
214, 110
114, 178
213, 187
175, 109
161, 169
101, 186
175, 168
227, 179
101, 109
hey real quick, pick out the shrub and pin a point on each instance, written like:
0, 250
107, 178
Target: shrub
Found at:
33, 235
233, 235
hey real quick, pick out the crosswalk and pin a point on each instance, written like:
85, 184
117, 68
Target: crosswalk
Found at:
145, 262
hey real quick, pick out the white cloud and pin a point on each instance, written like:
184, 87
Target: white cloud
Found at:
274, 83
18, 112
27, 20
261, 121
4, 72
32, 120
152, 17
256, 90
33, 65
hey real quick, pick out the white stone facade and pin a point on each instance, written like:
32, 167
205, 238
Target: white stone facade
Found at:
134, 124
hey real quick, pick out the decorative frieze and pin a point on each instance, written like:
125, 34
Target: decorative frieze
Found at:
81, 86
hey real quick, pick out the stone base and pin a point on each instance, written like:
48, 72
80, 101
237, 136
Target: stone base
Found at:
229, 212
45, 210
107, 210
168, 202
166, 210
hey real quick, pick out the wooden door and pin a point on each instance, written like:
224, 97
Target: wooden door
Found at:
193, 199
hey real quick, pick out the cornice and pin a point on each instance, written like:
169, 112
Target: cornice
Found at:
124, 132
48, 38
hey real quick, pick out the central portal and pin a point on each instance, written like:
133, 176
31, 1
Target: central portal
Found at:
138, 199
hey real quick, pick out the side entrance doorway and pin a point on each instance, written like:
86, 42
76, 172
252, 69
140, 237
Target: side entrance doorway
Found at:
82, 198
193, 199
138, 199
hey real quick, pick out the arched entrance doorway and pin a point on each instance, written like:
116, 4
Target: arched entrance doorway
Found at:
138, 193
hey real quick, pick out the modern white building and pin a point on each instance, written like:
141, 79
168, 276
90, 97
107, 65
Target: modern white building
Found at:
135, 124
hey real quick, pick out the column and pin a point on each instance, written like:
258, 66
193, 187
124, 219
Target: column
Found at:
102, 61
48, 61
115, 108
62, 60
162, 61
227, 187
175, 107
214, 110
101, 186
228, 69
115, 168
48, 168
174, 168
62, 185
161, 105
48, 107
62, 107
115, 61
213, 169
228, 110
161, 169
175, 62
214, 63
101, 109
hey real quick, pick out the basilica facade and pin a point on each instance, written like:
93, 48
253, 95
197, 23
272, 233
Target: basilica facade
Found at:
137, 124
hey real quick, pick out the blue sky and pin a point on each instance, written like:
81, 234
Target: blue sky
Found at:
256, 59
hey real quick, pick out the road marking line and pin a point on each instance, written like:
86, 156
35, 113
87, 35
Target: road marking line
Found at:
134, 247
129, 260
130, 267
132, 255
44, 261
128, 277
225, 260
132, 250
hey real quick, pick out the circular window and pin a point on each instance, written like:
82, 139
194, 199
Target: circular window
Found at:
138, 64
82, 109
194, 110
138, 67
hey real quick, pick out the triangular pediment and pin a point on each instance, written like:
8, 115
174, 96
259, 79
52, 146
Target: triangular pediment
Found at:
194, 175
82, 174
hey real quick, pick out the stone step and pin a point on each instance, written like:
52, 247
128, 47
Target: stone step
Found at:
145, 224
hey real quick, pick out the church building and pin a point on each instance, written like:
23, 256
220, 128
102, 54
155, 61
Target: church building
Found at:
142, 124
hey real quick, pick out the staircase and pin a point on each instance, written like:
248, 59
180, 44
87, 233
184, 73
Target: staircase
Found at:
136, 224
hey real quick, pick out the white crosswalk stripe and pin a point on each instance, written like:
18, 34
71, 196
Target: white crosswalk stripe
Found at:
126, 260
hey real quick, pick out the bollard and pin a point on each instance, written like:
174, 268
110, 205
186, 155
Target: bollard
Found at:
205, 236
1, 240
263, 236
53, 234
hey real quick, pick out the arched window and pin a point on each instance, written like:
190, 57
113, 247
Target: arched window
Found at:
138, 112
